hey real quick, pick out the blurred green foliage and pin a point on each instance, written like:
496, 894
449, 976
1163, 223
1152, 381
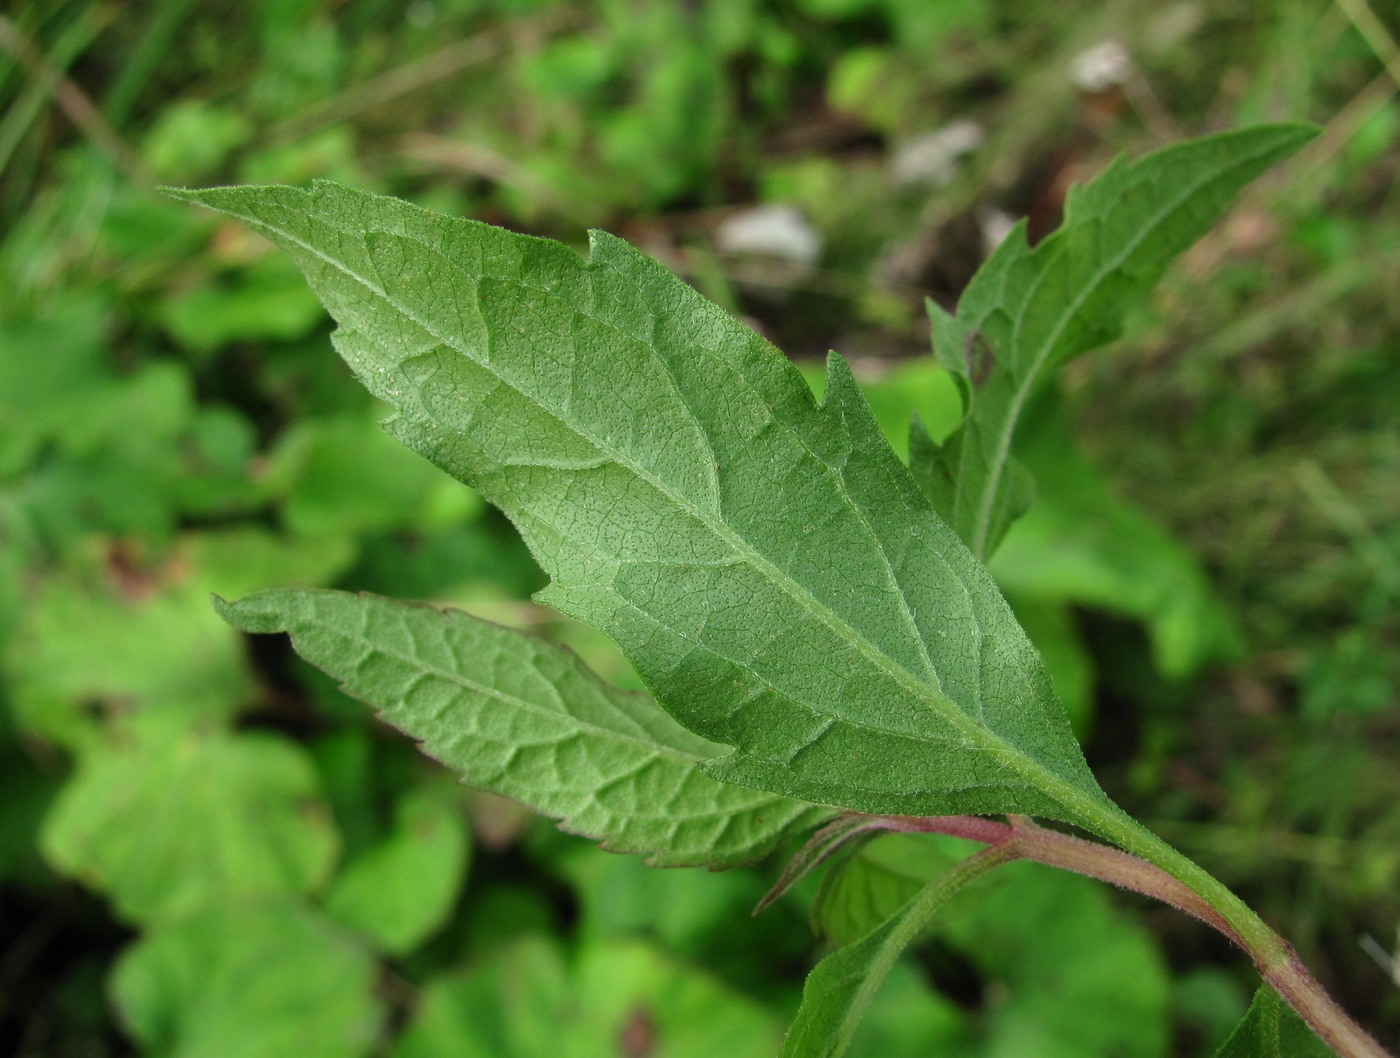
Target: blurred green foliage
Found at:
206, 849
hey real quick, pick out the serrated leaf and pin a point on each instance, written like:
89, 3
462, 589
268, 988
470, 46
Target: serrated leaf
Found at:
765, 562
1270, 1029
135, 822
1030, 309
519, 717
249, 982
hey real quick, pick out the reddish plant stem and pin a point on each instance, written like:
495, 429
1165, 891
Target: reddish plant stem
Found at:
1073, 854
1289, 977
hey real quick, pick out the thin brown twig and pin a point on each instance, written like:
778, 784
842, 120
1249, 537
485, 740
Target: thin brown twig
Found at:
73, 101
411, 76
1374, 33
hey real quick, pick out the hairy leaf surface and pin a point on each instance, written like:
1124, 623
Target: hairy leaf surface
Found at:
767, 563
522, 718
1029, 310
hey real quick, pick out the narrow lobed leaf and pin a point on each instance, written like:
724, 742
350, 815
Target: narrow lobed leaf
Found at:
843, 834
1030, 309
766, 563
840, 988
525, 719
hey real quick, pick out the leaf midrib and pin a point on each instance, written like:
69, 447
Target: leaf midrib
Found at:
1038, 775
982, 525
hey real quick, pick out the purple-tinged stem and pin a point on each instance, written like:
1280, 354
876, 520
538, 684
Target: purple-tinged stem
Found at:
1285, 973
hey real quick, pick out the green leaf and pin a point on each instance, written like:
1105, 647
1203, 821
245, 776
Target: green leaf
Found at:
342, 476
146, 648
241, 558
862, 892
1029, 310
840, 988
898, 391
1081, 544
1083, 954
908, 1018
765, 562
615, 997
1055, 633
402, 889
1271, 1029
262, 304
249, 982
692, 914
844, 834
37, 407
135, 822
519, 717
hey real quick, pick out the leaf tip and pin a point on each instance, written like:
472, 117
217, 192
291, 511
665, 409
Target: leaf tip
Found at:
254, 613
840, 381
191, 195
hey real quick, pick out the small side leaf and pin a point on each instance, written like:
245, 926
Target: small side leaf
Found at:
840, 988
1270, 1029
844, 833
1029, 310
514, 715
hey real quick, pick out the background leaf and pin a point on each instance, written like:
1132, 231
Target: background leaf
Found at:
149, 650
842, 985
1033, 985
616, 997
133, 822
1081, 544
249, 982
398, 891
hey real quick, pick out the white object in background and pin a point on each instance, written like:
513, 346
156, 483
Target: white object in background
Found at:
933, 159
1105, 65
770, 231
995, 225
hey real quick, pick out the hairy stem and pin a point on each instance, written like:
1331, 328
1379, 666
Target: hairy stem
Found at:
1173, 879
